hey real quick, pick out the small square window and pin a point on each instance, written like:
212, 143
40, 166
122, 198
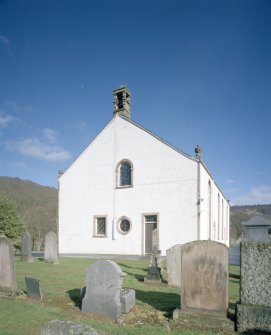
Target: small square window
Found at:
99, 226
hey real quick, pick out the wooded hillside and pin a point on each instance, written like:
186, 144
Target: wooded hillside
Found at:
36, 204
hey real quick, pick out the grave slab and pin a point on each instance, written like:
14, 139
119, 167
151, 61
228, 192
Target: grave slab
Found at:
33, 288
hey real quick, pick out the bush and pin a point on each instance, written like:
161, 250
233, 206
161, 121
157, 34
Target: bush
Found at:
10, 222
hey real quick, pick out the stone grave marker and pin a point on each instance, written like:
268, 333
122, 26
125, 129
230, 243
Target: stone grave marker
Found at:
8, 285
60, 327
254, 310
127, 300
204, 276
154, 269
50, 248
174, 265
26, 247
33, 288
103, 289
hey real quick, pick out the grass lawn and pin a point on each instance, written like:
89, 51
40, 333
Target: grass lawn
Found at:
61, 285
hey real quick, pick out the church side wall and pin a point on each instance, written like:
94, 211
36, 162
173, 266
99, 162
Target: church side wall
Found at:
214, 210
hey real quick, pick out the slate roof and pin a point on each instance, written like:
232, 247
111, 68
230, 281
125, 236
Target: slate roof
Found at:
257, 221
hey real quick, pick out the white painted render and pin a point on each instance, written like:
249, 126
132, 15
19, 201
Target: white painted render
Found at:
213, 209
165, 182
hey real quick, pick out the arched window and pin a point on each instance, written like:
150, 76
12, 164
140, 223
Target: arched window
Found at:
124, 174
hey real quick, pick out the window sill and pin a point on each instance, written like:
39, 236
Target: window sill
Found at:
128, 186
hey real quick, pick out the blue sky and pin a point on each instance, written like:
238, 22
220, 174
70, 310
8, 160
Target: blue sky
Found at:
199, 72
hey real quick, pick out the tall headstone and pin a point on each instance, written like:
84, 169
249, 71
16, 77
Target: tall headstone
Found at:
174, 255
26, 247
50, 248
204, 276
103, 289
8, 285
254, 310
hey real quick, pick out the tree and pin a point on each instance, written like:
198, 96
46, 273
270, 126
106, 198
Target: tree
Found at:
10, 222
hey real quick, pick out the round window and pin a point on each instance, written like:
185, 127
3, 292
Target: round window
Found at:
124, 226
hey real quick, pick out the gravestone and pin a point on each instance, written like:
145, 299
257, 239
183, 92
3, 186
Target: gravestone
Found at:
26, 247
154, 269
204, 276
254, 310
103, 289
174, 265
8, 285
50, 248
59, 327
33, 288
127, 300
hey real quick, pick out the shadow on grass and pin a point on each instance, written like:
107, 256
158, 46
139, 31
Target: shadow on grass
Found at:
75, 296
231, 315
235, 276
125, 266
165, 302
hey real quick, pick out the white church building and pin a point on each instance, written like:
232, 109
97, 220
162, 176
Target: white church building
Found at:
129, 181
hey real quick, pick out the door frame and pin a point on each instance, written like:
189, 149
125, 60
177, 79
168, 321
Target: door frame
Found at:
143, 223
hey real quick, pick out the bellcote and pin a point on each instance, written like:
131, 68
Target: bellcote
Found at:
122, 100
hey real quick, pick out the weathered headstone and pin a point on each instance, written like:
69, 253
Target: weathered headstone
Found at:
254, 310
103, 289
204, 276
59, 327
127, 300
154, 269
174, 265
33, 288
26, 247
50, 248
8, 285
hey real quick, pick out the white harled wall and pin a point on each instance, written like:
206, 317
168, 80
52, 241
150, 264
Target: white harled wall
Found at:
164, 182
214, 215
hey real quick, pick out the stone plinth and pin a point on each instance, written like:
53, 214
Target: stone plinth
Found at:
153, 275
127, 300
